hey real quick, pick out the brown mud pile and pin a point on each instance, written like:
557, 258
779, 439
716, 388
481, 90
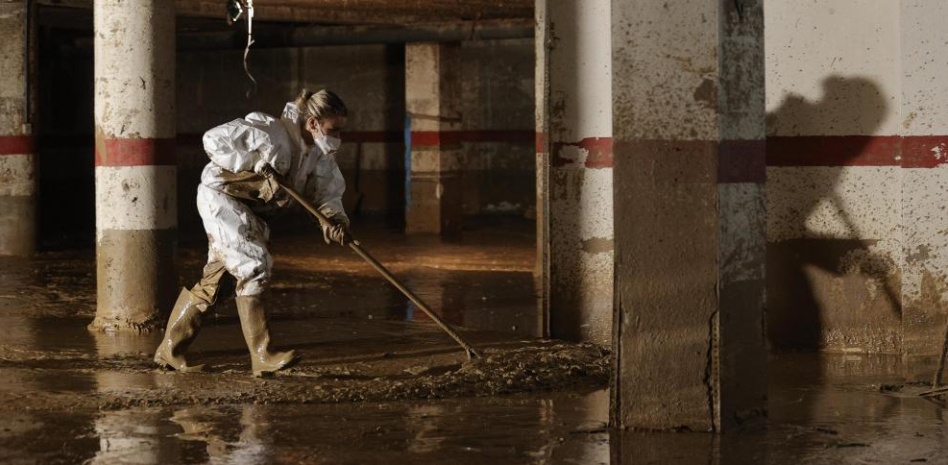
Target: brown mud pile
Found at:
124, 382
917, 389
540, 367
535, 368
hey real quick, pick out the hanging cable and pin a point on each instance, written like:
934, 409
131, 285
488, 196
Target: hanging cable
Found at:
235, 9
253, 90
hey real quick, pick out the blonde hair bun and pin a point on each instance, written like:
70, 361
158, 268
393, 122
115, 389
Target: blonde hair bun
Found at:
320, 104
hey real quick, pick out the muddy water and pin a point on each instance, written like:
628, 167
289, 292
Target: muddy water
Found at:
379, 383
481, 281
561, 428
822, 410
71, 395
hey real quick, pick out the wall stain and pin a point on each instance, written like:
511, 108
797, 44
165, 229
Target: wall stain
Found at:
706, 94
598, 245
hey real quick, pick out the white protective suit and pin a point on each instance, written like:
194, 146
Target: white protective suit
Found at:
232, 194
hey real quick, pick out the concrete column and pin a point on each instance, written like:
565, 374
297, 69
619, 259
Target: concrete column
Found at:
18, 179
135, 174
574, 118
924, 177
688, 123
432, 102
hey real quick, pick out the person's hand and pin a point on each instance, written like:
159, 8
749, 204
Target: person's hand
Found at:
337, 231
267, 171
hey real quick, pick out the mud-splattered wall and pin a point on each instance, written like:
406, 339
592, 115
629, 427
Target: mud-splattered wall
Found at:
688, 128
17, 111
924, 127
855, 259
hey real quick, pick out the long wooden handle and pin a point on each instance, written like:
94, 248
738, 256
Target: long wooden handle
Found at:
357, 248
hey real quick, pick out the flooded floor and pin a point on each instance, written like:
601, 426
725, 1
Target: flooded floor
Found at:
380, 383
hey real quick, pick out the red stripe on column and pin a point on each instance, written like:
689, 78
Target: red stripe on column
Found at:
924, 151
373, 137
833, 150
904, 151
17, 145
515, 136
598, 153
742, 161
434, 138
447, 138
135, 152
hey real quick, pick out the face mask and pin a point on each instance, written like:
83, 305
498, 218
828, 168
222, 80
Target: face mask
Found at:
327, 144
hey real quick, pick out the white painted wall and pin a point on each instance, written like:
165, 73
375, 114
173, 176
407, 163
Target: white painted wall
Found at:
823, 58
861, 68
808, 41
924, 190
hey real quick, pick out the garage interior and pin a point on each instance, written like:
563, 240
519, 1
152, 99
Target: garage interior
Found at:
675, 232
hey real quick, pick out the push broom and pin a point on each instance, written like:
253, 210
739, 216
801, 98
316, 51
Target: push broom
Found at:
357, 248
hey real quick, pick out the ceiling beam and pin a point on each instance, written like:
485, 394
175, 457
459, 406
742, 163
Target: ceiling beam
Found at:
309, 36
381, 12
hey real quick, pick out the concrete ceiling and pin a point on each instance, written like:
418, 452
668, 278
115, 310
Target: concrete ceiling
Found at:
353, 11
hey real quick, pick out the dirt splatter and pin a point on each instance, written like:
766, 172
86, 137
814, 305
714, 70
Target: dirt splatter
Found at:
706, 94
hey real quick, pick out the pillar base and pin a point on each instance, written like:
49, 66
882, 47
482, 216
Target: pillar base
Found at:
136, 279
17, 226
436, 204
109, 325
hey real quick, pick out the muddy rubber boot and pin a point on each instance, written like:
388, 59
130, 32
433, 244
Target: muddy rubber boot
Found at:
253, 322
183, 327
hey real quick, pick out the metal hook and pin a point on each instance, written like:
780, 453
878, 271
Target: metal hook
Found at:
234, 10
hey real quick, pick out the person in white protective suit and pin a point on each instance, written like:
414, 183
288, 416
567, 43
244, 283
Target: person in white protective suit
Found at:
236, 186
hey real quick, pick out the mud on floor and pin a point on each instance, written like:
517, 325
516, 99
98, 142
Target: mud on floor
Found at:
361, 340
119, 383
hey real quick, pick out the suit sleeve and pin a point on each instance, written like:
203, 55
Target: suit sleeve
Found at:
248, 144
328, 187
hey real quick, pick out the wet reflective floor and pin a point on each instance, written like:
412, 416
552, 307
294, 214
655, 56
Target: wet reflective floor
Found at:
822, 410
550, 429
380, 384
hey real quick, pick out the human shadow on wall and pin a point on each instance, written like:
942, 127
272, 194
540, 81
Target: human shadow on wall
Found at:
825, 284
